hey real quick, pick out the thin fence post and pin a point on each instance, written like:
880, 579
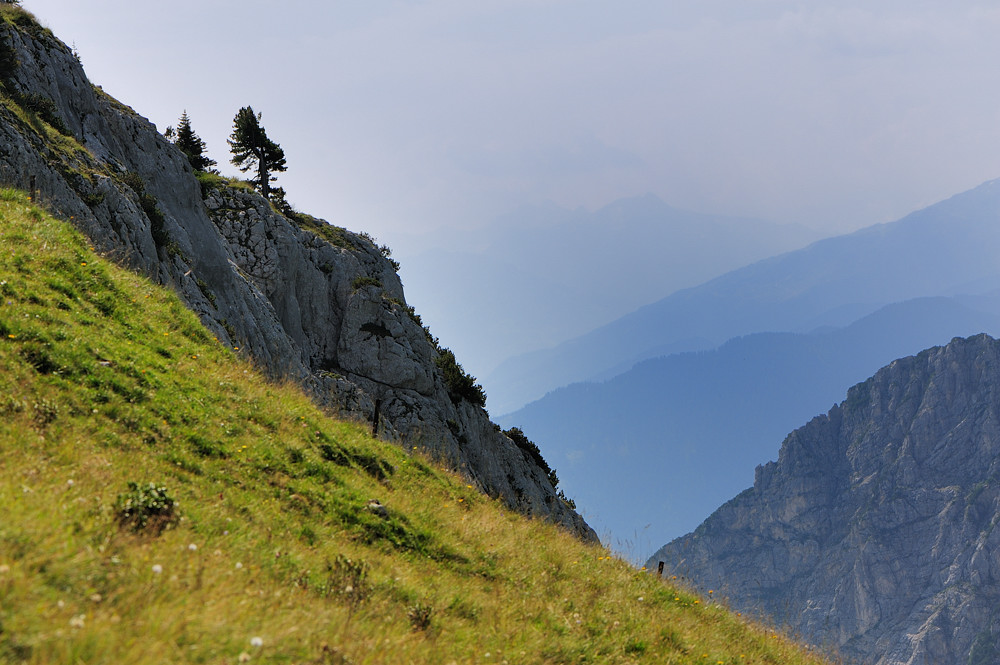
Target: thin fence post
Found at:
659, 569
31, 188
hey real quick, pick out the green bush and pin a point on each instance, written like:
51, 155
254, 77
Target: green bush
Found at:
150, 206
385, 250
8, 59
134, 181
14, 14
565, 499
460, 384
527, 445
93, 199
344, 578
42, 107
362, 281
157, 221
145, 508
420, 616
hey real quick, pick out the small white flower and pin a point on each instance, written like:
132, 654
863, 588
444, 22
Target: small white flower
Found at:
244, 657
192, 547
77, 621
238, 565
69, 482
256, 642
157, 569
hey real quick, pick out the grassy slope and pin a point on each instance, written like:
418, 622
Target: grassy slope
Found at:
106, 379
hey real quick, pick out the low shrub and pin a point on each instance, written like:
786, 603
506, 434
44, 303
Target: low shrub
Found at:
8, 59
528, 446
150, 206
145, 508
420, 616
460, 385
362, 281
44, 108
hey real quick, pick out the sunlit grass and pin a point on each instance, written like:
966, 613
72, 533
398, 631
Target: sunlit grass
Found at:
277, 557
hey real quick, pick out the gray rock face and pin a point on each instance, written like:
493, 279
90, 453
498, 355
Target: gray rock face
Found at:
305, 300
874, 532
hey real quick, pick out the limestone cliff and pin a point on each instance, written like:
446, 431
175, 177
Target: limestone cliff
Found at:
305, 300
874, 532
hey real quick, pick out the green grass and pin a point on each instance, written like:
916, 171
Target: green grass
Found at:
60, 141
272, 553
334, 235
21, 18
210, 180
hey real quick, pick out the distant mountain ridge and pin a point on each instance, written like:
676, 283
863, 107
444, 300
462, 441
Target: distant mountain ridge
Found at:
949, 248
875, 530
542, 274
651, 452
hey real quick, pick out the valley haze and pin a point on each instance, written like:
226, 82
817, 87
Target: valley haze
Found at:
652, 450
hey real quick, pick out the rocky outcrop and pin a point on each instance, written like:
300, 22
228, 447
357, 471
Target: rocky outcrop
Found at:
875, 531
307, 301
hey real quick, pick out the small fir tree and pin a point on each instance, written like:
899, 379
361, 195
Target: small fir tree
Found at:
193, 147
252, 149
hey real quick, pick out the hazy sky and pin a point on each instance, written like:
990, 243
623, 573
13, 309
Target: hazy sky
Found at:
399, 116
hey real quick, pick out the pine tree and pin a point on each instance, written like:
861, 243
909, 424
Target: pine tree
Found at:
252, 149
185, 138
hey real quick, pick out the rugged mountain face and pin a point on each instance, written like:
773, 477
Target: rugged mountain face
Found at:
875, 530
305, 300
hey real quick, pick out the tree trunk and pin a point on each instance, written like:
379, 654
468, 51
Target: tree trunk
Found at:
264, 178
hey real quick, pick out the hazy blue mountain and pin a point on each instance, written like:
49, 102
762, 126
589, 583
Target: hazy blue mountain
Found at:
949, 248
543, 274
649, 454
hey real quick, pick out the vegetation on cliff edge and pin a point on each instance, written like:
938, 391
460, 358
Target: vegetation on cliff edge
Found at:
162, 502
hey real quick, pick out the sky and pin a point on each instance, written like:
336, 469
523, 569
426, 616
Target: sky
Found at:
403, 116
